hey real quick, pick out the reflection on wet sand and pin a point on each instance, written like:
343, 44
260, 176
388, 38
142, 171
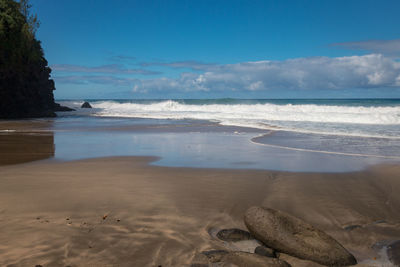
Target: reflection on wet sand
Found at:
25, 141
26, 147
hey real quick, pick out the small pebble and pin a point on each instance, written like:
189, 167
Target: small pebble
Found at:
234, 235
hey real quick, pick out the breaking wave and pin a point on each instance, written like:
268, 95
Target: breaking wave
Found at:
357, 120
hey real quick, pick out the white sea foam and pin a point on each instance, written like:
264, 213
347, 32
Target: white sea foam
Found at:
373, 121
271, 112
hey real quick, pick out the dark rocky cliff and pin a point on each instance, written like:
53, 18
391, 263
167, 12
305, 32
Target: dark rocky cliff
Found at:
26, 90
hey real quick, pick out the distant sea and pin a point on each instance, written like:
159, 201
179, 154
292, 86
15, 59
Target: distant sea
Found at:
345, 117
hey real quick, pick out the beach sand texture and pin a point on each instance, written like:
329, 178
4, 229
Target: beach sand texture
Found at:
122, 212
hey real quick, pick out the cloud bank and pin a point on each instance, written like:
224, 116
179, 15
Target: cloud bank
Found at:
95, 79
321, 73
386, 47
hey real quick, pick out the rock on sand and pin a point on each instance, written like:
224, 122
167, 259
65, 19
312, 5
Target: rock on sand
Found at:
234, 235
295, 237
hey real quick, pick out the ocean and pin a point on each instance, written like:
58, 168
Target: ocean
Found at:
347, 117
340, 134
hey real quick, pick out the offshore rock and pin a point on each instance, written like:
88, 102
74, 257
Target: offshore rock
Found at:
86, 105
58, 107
293, 236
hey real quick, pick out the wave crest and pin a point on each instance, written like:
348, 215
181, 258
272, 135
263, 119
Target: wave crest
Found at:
263, 112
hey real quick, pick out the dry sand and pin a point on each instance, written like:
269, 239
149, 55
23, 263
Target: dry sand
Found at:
123, 212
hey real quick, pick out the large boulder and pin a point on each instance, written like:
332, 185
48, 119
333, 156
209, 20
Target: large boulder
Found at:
293, 236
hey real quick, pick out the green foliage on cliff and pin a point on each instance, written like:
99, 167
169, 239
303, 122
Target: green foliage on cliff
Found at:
26, 89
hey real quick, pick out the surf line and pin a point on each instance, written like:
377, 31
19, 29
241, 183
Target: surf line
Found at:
322, 151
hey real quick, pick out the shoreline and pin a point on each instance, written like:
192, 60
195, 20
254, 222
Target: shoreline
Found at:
254, 140
52, 211
184, 144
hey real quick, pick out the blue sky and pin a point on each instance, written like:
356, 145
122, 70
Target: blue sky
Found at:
207, 49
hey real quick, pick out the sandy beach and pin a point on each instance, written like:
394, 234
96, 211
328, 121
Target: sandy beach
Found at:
199, 133
121, 211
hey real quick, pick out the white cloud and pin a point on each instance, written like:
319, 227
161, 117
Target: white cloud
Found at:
256, 85
321, 73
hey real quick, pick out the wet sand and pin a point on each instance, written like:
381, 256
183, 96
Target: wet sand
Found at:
25, 141
26, 147
121, 211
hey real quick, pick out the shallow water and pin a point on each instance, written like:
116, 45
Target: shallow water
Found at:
333, 144
191, 143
